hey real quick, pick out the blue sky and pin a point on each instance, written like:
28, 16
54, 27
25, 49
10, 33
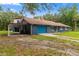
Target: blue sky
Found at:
16, 7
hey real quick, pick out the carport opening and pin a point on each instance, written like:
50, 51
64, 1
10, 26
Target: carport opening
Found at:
26, 29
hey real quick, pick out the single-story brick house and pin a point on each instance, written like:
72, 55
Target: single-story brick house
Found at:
36, 26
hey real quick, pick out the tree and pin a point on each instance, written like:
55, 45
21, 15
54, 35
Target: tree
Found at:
51, 17
6, 18
69, 16
48, 16
30, 7
75, 16
34, 7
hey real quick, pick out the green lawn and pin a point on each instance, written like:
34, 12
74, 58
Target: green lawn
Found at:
6, 32
70, 34
40, 37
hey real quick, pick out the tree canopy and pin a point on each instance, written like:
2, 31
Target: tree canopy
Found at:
6, 18
66, 15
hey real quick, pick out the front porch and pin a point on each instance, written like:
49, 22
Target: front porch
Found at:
20, 28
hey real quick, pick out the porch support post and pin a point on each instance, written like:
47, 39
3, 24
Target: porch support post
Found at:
31, 29
57, 29
20, 27
8, 30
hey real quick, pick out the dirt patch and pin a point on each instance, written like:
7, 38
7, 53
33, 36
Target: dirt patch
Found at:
21, 45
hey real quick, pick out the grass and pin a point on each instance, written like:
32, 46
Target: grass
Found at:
6, 32
3, 32
70, 34
9, 46
40, 37
18, 50
65, 43
8, 50
41, 52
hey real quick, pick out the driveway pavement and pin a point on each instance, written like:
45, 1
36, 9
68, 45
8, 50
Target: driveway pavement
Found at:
48, 34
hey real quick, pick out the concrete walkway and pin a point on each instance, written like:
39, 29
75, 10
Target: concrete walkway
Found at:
61, 37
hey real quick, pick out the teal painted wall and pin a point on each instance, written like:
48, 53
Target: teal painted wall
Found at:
36, 29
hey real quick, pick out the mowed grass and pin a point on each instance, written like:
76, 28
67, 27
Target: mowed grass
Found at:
6, 32
3, 32
70, 34
40, 37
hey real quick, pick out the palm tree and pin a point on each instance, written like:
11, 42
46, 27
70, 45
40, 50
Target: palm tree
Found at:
69, 16
75, 16
75, 20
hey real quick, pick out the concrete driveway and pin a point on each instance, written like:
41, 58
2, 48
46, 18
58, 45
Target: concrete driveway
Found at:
48, 34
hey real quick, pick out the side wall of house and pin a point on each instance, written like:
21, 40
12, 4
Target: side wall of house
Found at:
63, 29
51, 29
37, 29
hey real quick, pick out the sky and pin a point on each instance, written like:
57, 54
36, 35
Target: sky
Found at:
16, 7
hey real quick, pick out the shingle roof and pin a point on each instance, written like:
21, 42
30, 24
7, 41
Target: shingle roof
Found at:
44, 22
